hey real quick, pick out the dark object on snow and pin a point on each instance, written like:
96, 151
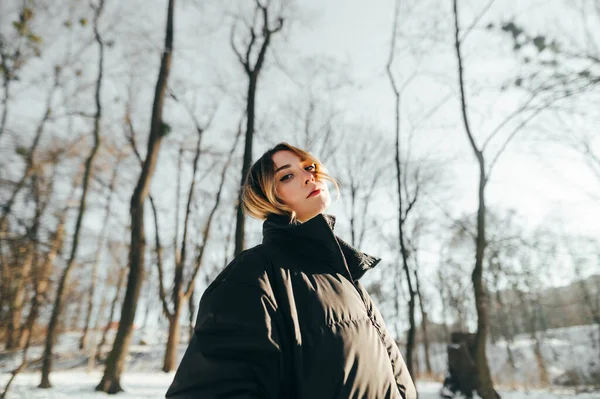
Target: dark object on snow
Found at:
462, 369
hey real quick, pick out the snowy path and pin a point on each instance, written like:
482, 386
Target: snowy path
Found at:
80, 385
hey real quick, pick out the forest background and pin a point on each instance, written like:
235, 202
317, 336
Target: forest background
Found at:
464, 135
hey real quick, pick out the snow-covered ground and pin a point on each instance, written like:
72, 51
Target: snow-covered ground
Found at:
565, 350
138, 385
571, 355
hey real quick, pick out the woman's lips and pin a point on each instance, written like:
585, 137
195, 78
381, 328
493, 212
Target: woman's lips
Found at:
314, 192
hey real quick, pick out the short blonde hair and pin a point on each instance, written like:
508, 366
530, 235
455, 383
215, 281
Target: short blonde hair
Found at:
259, 192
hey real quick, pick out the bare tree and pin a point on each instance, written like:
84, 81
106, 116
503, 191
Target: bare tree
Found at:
402, 194
178, 296
99, 248
180, 293
116, 299
485, 388
89, 163
413, 245
31, 152
30, 320
15, 291
110, 382
260, 38
40, 270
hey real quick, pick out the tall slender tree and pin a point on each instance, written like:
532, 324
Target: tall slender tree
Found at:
260, 38
87, 177
99, 248
182, 290
486, 387
111, 380
402, 193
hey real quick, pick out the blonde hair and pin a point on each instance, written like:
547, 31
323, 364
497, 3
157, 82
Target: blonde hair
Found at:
259, 192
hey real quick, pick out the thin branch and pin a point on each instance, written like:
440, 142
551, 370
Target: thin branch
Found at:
511, 136
159, 263
476, 20
236, 51
463, 100
206, 231
414, 199
267, 36
510, 117
177, 252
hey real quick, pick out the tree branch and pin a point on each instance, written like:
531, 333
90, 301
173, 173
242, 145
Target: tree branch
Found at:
206, 231
476, 20
159, 263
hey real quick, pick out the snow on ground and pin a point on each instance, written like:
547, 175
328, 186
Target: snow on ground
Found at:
571, 355
138, 385
565, 350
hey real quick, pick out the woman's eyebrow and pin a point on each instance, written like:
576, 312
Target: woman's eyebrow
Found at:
286, 166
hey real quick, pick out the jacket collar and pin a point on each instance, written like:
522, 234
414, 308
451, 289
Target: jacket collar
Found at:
319, 231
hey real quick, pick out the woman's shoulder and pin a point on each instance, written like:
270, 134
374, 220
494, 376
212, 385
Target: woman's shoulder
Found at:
249, 267
238, 292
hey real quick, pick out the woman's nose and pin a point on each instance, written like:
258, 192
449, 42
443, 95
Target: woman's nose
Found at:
309, 178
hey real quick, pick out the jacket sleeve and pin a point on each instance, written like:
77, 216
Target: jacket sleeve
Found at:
235, 350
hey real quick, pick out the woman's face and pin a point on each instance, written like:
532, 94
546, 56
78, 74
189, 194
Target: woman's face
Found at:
297, 187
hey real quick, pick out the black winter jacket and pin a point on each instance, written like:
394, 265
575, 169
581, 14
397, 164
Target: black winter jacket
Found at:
288, 319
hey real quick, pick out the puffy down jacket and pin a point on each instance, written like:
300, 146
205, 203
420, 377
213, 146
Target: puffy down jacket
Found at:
289, 319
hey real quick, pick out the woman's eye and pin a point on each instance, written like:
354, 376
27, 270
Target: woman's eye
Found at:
311, 167
286, 177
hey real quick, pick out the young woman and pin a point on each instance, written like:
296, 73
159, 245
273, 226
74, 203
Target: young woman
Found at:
289, 318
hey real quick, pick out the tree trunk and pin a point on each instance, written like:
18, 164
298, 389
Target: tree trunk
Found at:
42, 276
178, 295
83, 343
30, 320
402, 212
76, 318
51, 334
240, 226
424, 323
485, 380
410, 338
486, 388
253, 72
53, 324
443, 300
173, 339
100, 246
191, 314
503, 326
111, 380
111, 315
6, 87
20, 277
531, 317
539, 360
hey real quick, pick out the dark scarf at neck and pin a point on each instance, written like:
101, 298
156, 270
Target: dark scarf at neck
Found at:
318, 231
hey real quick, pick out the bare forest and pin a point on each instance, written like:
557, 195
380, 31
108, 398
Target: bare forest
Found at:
464, 135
